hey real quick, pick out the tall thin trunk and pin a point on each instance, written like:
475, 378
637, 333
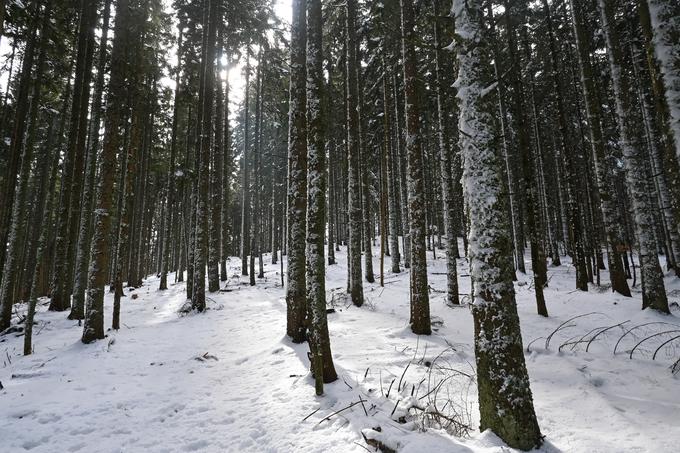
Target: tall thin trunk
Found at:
17, 141
85, 230
297, 177
573, 214
392, 196
319, 341
134, 149
604, 184
420, 303
216, 173
366, 208
222, 111
665, 20
203, 185
667, 210
256, 222
356, 288
47, 175
93, 327
73, 163
446, 172
653, 289
12, 263
245, 172
170, 191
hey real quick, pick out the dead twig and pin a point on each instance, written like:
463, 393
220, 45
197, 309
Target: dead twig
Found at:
361, 401
313, 412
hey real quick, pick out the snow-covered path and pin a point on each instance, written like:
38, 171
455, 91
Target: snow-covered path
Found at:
228, 381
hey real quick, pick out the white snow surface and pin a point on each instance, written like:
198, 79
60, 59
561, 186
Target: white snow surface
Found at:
228, 380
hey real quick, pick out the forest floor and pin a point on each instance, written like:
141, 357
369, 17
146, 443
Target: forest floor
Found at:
229, 381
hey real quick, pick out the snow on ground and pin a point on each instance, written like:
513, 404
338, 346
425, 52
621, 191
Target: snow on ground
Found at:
229, 381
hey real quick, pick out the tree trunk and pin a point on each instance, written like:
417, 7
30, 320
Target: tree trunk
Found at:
297, 178
17, 141
87, 201
12, 264
319, 341
216, 173
73, 164
170, 191
446, 176
203, 173
93, 327
505, 400
653, 290
395, 257
573, 214
356, 288
420, 304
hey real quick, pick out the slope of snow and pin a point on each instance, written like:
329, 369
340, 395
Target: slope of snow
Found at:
229, 381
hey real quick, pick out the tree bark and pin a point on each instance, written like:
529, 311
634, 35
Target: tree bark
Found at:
319, 341
505, 400
355, 214
297, 177
653, 289
420, 304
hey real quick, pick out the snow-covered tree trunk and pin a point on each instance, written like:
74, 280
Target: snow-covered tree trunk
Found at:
245, 172
47, 176
332, 224
206, 143
227, 165
12, 264
366, 208
401, 163
72, 166
170, 191
355, 215
446, 174
505, 400
142, 198
79, 175
216, 173
509, 156
528, 186
128, 189
10, 167
420, 303
570, 208
98, 275
605, 188
319, 341
661, 118
297, 177
256, 222
393, 212
653, 290
665, 18
85, 230
654, 139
